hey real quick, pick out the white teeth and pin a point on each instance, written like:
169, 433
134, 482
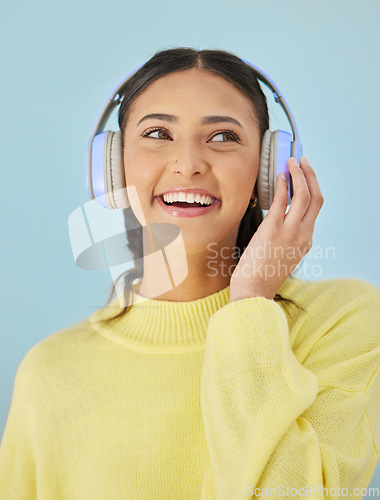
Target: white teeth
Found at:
187, 197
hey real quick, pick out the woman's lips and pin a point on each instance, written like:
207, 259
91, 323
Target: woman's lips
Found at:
189, 211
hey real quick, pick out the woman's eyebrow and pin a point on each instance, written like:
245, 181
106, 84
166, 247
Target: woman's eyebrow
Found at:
159, 116
206, 120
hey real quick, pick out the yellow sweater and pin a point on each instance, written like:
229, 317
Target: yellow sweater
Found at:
203, 399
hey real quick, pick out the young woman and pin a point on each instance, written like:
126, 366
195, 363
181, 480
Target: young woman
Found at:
238, 380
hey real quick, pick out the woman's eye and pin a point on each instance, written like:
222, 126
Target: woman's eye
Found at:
225, 137
157, 134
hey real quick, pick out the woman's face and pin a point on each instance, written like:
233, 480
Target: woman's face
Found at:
208, 126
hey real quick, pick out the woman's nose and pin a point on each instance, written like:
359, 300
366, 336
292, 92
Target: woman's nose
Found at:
188, 160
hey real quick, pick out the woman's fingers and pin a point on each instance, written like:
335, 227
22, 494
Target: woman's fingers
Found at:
316, 200
307, 200
302, 196
280, 200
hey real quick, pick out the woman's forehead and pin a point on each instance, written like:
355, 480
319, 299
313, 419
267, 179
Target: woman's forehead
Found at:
193, 88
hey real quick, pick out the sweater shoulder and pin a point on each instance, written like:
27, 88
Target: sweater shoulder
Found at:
331, 295
55, 353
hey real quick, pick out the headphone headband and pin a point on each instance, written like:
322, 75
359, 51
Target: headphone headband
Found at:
117, 97
279, 98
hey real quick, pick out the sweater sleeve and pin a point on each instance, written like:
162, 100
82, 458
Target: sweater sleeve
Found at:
17, 457
276, 426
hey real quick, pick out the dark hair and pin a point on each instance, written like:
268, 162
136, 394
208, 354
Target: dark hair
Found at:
243, 77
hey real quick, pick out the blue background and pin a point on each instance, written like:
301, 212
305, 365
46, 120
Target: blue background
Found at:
60, 61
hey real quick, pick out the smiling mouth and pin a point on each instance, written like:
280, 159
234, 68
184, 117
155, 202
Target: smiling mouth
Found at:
185, 204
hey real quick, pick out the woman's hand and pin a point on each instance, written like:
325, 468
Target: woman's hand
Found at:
282, 239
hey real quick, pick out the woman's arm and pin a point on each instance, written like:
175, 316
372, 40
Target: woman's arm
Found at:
17, 456
274, 422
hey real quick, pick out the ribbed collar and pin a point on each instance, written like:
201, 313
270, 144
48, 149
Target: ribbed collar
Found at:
153, 325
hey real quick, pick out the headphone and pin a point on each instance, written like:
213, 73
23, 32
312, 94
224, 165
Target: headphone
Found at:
104, 170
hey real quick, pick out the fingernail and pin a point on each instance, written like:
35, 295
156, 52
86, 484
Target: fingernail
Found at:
293, 161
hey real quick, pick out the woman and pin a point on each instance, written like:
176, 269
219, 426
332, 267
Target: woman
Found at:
235, 383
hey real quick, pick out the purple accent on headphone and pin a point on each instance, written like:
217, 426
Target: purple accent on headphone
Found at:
97, 169
284, 140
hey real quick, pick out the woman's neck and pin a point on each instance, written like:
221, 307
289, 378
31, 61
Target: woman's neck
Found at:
175, 274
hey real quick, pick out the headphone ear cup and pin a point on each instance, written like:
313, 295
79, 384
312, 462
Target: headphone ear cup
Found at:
275, 151
107, 170
114, 177
264, 176
282, 145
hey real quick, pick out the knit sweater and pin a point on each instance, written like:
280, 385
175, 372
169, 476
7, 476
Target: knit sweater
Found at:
202, 399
